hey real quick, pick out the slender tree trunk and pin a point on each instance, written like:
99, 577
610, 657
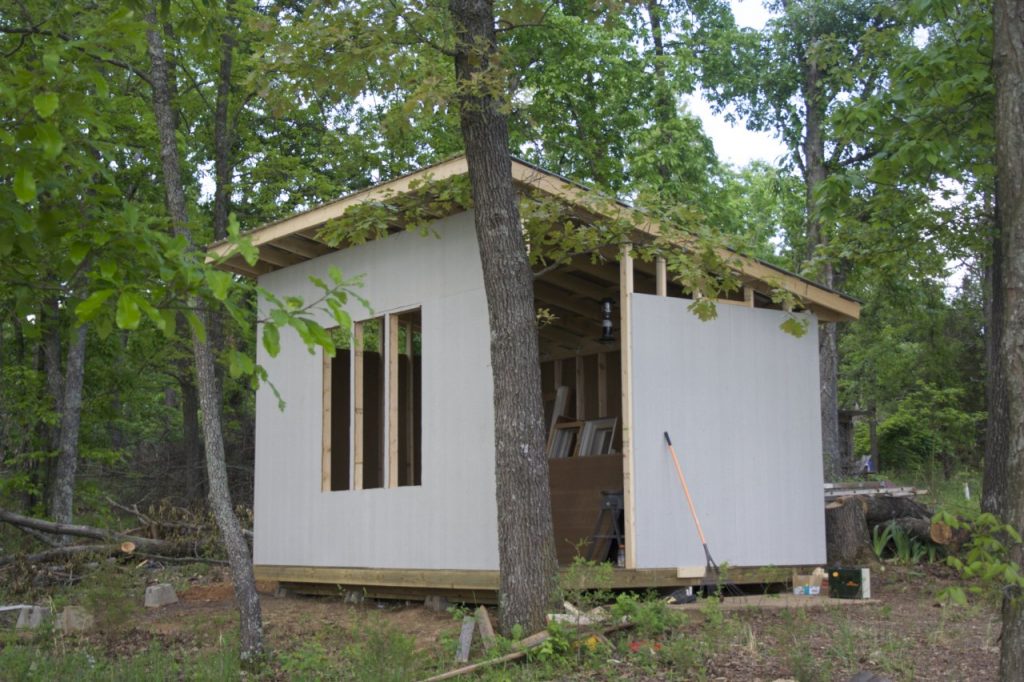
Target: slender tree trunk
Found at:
994, 479
251, 620
1008, 68
828, 348
192, 447
525, 536
664, 104
62, 493
222, 165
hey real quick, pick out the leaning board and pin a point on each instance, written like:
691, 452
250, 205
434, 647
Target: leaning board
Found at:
740, 400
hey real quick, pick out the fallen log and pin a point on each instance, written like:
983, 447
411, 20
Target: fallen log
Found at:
880, 509
110, 538
59, 553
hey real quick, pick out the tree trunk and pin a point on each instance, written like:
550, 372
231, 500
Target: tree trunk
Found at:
1008, 70
817, 239
192, 448
885, 508
993, 488
251, 620
62, 494
847, 541
525, 536
222, 165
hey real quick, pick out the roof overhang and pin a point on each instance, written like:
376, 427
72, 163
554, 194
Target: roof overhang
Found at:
293, 240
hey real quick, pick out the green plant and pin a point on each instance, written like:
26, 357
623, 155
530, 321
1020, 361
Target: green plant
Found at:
385, 655
651, 616
985, 557
906, 550
308, 661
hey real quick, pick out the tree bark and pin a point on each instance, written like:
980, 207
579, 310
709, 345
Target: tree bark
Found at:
525, 536
62, 494
993, 488
239, 559
828, 348
847, 541
1008, 71
222, 165
192, 447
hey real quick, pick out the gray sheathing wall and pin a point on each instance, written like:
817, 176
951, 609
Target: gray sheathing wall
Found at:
450, 520
740, 399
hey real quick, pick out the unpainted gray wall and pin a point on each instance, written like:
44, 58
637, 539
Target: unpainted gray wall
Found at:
450, 520
740, 399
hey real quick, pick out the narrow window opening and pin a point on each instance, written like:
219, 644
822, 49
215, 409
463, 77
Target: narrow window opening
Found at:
409, 335
370, 409
338, 398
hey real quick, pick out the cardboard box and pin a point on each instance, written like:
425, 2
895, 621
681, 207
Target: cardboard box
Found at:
806, 585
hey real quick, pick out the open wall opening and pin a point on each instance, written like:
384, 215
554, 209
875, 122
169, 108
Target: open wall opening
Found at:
337, 455
406, 398
370, 409
581, 379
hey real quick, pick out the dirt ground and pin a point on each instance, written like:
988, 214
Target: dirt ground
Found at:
904, 635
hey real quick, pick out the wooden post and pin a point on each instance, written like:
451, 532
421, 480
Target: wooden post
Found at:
357, 411
661, 276
392, 336
325, 456
602, 385
626, 345
748, 296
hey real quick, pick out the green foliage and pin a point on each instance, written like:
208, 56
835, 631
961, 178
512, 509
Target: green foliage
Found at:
985, 559
927, 429
892, 541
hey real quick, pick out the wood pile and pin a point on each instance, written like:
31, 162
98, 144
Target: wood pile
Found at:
852, 517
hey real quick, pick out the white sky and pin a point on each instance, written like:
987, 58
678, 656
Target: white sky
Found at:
734, 143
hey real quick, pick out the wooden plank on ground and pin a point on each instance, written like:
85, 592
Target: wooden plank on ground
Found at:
483, 623
465, 639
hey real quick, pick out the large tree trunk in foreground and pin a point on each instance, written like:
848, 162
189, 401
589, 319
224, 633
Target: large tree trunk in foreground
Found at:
525, 544
1008, 68
251, 620
62, 495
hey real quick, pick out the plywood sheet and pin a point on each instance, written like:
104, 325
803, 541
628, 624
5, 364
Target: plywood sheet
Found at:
740, 400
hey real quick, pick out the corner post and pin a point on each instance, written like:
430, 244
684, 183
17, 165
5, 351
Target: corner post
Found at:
626, 344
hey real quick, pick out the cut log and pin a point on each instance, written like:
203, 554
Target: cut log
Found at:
847, 540
919, 529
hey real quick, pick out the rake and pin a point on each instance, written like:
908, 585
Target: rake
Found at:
711, 570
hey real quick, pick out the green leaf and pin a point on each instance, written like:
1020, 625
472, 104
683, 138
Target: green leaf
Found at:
198, 328
128, 312
24, 185
219, 282
168, 326
88, 308
272, 339
50, 139
51, 61
239, 364
794, 326
46, 103
78, 252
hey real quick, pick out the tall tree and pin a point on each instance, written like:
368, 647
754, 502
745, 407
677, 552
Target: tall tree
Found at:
239, 558
1008, 69
525, 536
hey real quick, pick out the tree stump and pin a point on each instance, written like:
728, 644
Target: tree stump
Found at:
847, 540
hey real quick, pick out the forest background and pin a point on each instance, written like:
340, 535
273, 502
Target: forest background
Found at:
887, 186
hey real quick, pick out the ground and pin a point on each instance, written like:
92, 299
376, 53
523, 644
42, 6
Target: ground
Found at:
904, 635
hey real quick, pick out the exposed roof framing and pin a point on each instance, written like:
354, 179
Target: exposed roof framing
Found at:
292, 240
